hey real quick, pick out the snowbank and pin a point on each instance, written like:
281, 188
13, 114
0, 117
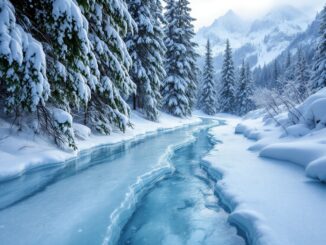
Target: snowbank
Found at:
23, 150
271, 201
298, 137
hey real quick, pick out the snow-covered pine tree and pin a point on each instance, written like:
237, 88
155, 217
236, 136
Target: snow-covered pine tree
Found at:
23, 81
109, 22
147, 48
244, 91
63, 30
302, 75
248, 103
186, 24
70, 67
227, 100
208, 93
289, 68
277, 79
84, 56
175, 85
318, 78
29, 64
241, 85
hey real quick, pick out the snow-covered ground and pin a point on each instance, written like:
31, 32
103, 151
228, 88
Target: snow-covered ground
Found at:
21, 151
301, 139
269, 197
271, 200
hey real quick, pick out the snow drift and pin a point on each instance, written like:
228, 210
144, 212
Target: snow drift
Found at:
298, 137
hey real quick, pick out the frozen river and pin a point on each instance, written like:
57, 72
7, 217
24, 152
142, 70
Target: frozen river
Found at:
147, 191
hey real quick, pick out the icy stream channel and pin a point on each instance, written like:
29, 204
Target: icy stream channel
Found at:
89, 200
182, 209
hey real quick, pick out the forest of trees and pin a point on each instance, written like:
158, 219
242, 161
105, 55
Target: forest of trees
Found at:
65, 61
232, 92
278, 86
89, 61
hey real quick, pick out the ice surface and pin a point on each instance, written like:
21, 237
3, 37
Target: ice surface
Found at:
77, 204
183, 208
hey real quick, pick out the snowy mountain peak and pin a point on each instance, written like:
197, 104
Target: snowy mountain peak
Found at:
258, 42
229, 22
285, 12
229, 16
279, 16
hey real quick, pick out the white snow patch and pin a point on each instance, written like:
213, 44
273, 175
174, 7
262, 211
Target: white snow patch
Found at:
272, 201
298, 137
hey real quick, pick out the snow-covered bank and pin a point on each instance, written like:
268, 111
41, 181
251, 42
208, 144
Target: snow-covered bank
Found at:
21, 151
300, 139
272, 201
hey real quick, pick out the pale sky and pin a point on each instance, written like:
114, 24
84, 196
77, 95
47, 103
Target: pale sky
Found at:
206, 11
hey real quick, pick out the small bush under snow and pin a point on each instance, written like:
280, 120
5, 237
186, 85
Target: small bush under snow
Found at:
81, 131
312, 112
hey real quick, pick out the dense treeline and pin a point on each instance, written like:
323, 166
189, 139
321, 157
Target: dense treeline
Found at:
293, 76
87, 61
65, 61
232, 92
282, 84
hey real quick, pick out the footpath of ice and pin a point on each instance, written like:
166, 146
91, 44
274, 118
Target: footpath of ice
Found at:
165, 168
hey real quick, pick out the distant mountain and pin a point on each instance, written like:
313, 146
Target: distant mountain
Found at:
307, 41
259, 42
228, 26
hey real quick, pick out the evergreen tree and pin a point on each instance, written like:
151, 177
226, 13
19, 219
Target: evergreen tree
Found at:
23, 81
109, 22
248, 103
245, 91
227, 99
288, 60
186, 24
179, 86
174, 88
319, 67
277, 79
80, 53
241, 85
147, 49
302, 75
63, 30
208, 93
289, 68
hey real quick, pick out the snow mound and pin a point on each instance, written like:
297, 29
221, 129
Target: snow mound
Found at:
250, 133
317, 169
298, 130
81, 131
315, 114
312, 112
297, 136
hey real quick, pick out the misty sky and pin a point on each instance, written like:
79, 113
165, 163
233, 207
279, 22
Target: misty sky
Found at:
206, 11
